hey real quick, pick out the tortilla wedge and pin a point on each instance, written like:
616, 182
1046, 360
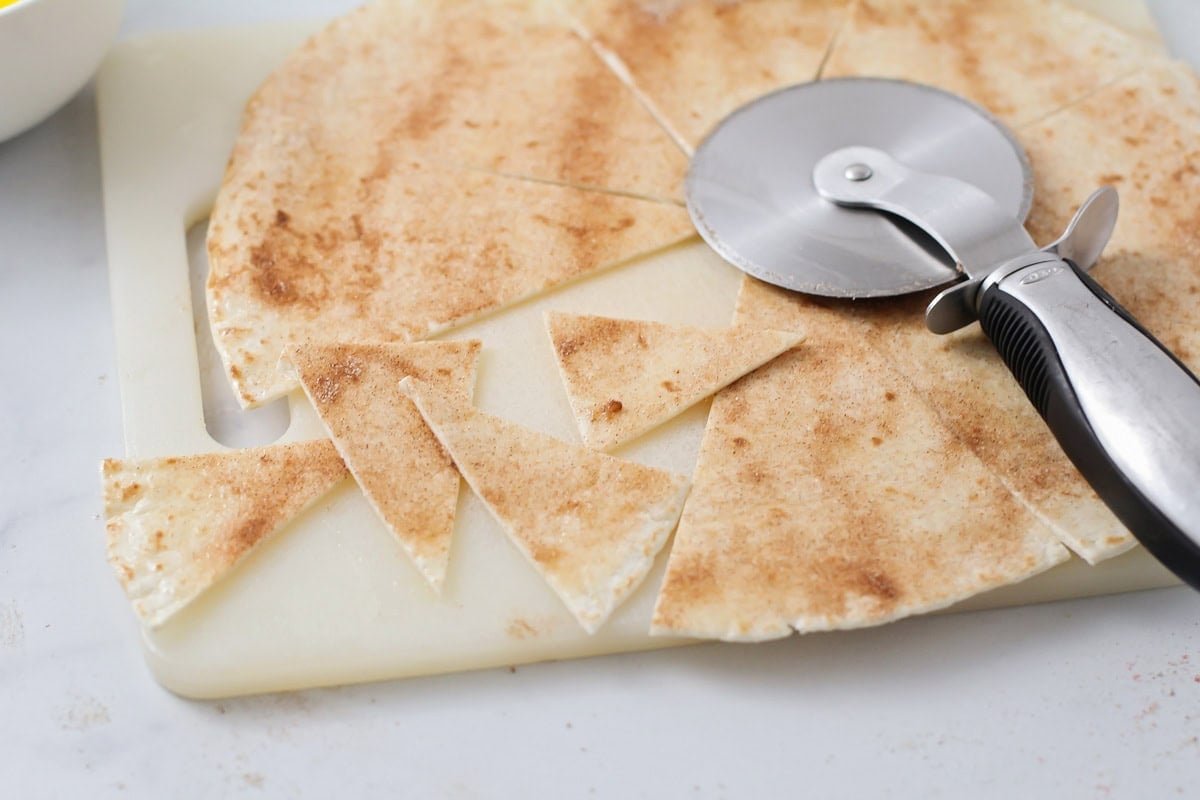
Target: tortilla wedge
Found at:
505, 86
625, 377
304, 254
589, 523
694, 61
404, 473
1020, 59
828, 497
175, 526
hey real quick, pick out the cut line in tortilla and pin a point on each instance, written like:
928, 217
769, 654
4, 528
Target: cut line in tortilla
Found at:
694, 61
401, 468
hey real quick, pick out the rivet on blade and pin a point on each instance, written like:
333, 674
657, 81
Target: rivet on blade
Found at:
857, 172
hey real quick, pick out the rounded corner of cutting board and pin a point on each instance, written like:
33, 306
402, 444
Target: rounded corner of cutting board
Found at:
181, 683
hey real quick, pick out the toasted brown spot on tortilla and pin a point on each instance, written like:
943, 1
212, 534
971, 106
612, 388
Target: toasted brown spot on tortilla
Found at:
544, 554
567, 348
430, 110
245, 536
608, 409
283, 276
879, 584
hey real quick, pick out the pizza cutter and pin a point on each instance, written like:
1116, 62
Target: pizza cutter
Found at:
869, 187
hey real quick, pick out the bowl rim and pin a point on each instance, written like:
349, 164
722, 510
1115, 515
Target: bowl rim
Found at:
14, 6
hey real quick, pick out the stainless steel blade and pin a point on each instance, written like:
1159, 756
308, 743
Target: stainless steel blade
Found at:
751, 193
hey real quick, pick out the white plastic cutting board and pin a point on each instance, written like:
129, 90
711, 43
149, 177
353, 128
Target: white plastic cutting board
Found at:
332, 599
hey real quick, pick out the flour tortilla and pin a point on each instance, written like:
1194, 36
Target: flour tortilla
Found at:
828, 495
624, 377
502, 85
696, 60
1021, 59
175, 526
589, 523
310, 254
404, 473
364, 200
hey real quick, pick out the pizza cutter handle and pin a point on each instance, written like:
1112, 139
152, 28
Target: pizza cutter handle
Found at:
1124, 409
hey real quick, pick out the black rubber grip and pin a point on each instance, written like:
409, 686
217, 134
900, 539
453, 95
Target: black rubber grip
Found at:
1032, 357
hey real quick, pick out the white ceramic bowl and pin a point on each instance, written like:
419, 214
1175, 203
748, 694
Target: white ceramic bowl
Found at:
48, 50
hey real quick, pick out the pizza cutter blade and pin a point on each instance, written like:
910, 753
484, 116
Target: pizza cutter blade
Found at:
751, 195
868, 187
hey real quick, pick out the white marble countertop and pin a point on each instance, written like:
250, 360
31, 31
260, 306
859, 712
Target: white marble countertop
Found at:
1094, 698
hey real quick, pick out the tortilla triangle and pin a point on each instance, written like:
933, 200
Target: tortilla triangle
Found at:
175, 526
399, 465
502, 85
624, 377
591, 524
1009, 57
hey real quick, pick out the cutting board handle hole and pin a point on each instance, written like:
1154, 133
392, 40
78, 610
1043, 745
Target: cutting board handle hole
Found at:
225, 420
